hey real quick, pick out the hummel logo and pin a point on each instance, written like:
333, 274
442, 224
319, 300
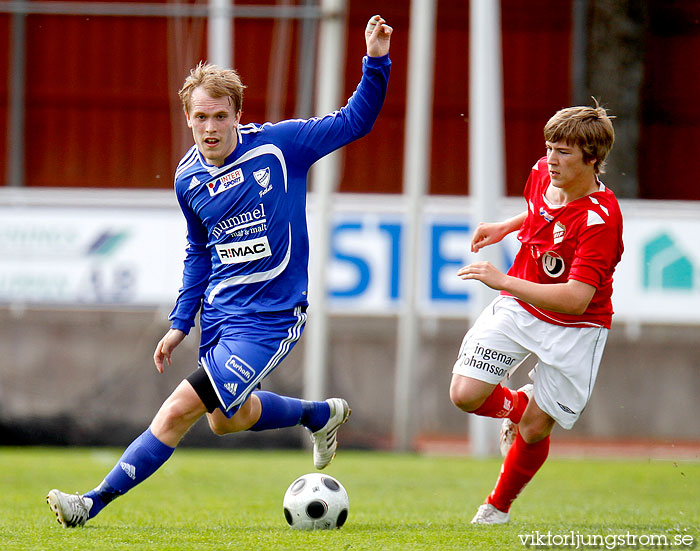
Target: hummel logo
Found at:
231, 387
130, 470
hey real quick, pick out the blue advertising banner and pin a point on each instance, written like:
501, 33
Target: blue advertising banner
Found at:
92, 248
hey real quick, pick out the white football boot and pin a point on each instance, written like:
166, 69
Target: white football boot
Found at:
510, 429
488, 514
324, 440
71, 509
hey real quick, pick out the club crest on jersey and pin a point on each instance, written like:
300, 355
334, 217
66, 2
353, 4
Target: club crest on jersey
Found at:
262, 177
225, 182
544, 214
553, 264
559, 232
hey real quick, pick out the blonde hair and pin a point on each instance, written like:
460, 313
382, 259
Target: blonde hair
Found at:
588, 127
216, 81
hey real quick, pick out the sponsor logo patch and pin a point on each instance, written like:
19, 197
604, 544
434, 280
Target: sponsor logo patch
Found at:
553, 264
244, 251
544, 214
239, 368
225, 182
492, 361
242, 221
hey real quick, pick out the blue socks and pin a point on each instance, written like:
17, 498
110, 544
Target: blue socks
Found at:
146, 454
282, 411
139, 461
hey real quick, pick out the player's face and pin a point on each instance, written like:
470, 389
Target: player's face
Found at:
566, 166
213, 122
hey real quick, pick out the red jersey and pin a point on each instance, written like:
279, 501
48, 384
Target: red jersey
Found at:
581, 240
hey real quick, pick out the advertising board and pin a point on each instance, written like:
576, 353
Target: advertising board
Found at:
128, 252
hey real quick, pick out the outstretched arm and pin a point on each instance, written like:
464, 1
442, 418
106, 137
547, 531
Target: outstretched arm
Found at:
321, 135
377, 36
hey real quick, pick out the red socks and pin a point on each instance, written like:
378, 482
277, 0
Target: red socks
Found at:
521, 464
523, 460
503, 402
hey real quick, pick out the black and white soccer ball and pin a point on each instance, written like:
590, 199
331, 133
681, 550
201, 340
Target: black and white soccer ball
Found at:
316, 501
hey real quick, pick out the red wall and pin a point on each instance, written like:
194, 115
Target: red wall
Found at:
102, 109
536, 39
669, 148
97, 112
5, 40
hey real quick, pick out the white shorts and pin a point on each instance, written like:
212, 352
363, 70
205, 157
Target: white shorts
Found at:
568, 357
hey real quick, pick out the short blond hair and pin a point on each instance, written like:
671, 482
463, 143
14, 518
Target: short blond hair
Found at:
588, 127
216, 81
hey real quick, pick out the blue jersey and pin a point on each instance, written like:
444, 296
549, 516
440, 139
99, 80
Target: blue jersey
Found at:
247, 240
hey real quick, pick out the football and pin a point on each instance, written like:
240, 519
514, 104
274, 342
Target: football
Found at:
316, 501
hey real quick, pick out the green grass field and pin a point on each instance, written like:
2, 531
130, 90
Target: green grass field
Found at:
232, 499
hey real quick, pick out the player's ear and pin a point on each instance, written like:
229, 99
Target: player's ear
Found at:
189, 121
